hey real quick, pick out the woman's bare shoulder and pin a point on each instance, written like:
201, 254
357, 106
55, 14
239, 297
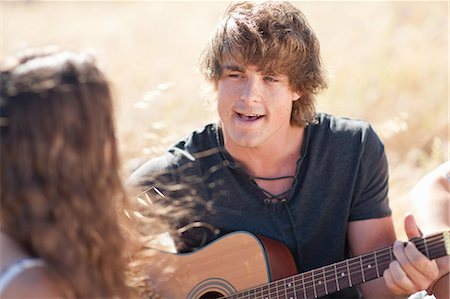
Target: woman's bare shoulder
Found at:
31, 279
34, 283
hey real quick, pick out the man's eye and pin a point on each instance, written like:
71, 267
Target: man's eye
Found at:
233, 75
270, 79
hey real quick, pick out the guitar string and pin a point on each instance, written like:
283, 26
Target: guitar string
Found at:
318, 274
311, 276
364, 261
367, 259
292, 289
432, 247
308, 286
289, 289
283, 286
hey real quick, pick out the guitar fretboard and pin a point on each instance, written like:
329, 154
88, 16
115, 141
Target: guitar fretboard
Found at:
341, 275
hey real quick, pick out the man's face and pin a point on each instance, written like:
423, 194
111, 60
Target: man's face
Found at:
254, 108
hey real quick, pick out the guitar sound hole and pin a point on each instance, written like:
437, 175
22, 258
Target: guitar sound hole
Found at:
211, 295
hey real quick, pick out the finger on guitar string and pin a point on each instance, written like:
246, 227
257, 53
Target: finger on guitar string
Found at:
427, 268
414, 268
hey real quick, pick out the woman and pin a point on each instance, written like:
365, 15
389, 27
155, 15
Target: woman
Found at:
60, 183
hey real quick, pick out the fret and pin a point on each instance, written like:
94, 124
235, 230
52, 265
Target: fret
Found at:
265, 292
285, 286
362, 268
273, 288
290, 288
260, 293
421, 245
294, 288
330, 279
319, 283
376, 263
435, 245
369, 266
342, 278
336, 277
285, 290
309, 285
304, 287
278, 290
257, 293
282, 288
356, 275
384, 259
314, 284
348, 273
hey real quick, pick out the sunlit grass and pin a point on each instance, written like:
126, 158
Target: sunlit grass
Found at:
388, 64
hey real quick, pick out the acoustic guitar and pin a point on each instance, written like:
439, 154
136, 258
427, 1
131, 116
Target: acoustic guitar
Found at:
243, 265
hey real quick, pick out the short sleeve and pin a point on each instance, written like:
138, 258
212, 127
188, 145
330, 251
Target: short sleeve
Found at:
371, 187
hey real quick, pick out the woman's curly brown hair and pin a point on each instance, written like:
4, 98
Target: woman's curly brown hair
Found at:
275, 37
60, 183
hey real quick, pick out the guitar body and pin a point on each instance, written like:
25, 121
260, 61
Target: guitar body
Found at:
233, 263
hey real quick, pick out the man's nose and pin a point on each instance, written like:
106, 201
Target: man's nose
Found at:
251, 91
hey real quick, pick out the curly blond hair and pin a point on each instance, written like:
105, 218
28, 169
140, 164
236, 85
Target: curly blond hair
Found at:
60, 184
275, 37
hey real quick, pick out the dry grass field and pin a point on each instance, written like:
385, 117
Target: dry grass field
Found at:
388, 64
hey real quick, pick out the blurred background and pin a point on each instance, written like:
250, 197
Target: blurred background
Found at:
387, 61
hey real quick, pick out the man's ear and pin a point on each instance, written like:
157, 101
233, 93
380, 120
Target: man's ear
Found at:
296, 96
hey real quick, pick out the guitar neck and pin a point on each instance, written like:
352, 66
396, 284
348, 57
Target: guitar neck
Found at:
332, 278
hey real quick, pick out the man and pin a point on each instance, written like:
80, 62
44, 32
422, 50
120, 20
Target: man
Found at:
274, 167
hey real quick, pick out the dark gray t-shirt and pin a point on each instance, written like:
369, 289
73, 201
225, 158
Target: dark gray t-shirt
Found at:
342, 176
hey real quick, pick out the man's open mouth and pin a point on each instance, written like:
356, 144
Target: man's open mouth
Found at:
249, 117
